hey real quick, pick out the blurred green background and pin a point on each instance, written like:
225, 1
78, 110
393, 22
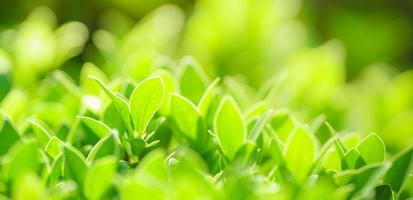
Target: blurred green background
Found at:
348, 60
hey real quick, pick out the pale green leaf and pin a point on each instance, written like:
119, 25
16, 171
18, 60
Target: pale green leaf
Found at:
300, 153
192, 80
372, 149
75, 165
146, 99
99, 177
54, 147
206, 98
121, 105
185, 115
100, 129
43, 136
106, 146
229, 127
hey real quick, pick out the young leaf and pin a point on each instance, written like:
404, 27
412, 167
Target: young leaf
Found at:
399, 172
75, 165
283, 124
22, 158
384, 192
192, 79
8, 136
365, 179
341, 150
372, 149
120, 104
106, 146
41, 133
54, 147
259, 126
146, 99
229, 127
89, 86
185, 115
99, 177
100, 129
153, 165
171, 85
56, 170
300, 153
205, 101
352, 160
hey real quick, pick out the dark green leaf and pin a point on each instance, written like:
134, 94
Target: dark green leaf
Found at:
399, 172
8, 136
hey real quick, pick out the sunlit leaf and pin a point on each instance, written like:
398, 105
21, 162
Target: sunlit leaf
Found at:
229, 127
120, 104
146, 99
300, 153
100, 129
75, 165
105, 147
206, 98
185, 114
99, 177
192, 80
372, 149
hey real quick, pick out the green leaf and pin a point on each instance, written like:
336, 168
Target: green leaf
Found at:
146, 99
54, 147
206, 98
120, 103
276, 147
56, 169
100, 129
28, 186
154, 165
341, 150
171, 85
399, 172
259, 126
99, 177
283, 124
137, 146
75, 165
185, 115
300, 153
106, 146
8, 136
22, 158
192, 80
365, 179
372, 149
229, 127
43, 136
88, 85
384, 192
352, 160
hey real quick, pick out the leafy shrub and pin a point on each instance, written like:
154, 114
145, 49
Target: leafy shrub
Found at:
146, 140
146, 127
